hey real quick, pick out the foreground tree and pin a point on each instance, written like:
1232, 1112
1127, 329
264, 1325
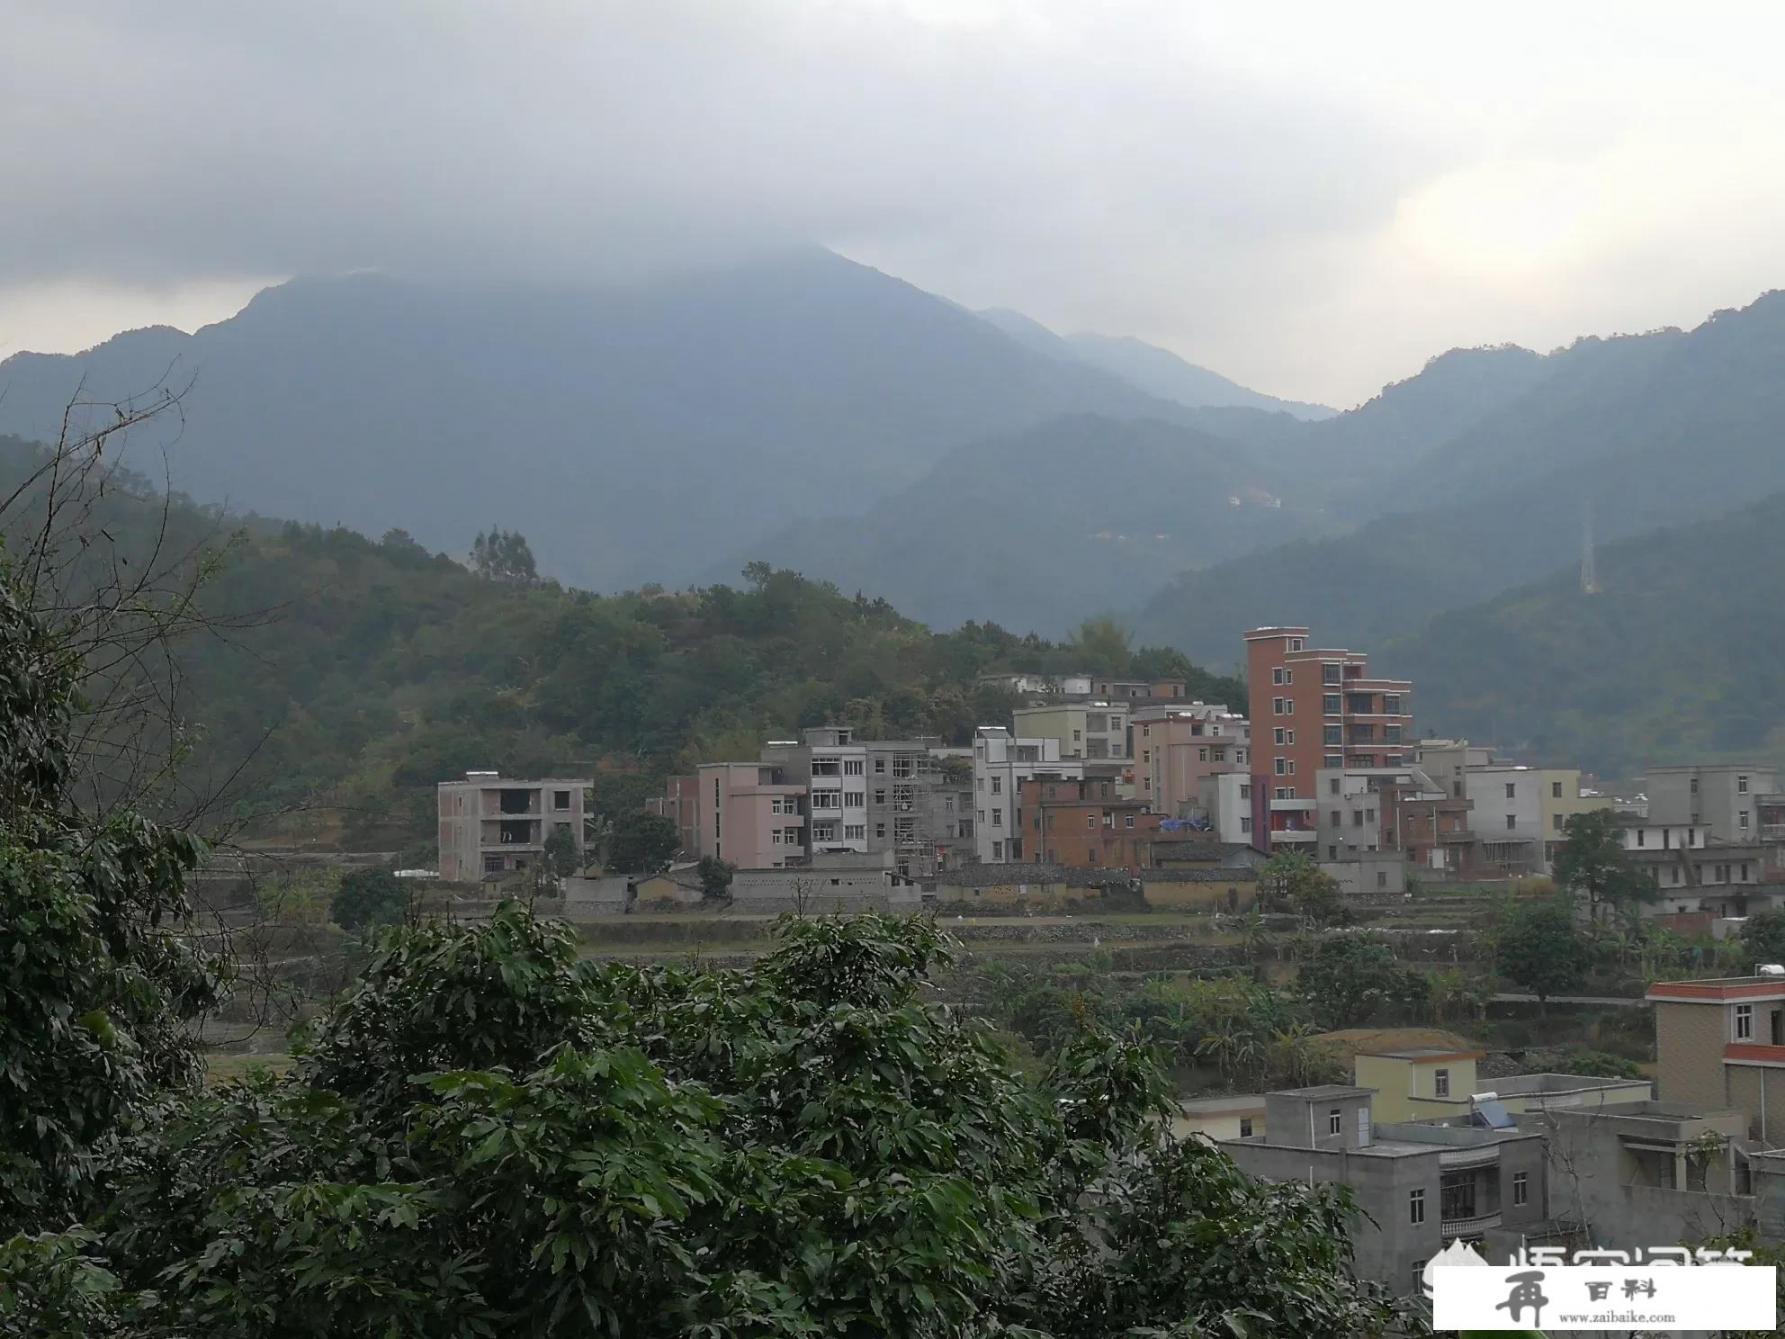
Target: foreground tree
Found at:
1763, 938
1352, 979
367, 898
1538, 945
1592, 863
642, 843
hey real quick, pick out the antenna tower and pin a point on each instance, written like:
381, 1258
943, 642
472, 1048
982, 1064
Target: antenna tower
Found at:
1589, 572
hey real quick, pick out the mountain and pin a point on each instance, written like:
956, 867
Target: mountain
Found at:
1147, 366
1675, 660
1645, 430
1049, 524
634, 433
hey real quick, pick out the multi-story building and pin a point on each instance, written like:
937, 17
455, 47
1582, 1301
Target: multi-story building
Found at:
903, 775
1439, 1083
1721, 1044
1083, 822
1421, 1186
1449, 761
1175, 746
751, 815
1507, 806
492, 826
833, 768
1092, 729
1230, 803
1721, 797
1138, 690
1312, 708
1001, 762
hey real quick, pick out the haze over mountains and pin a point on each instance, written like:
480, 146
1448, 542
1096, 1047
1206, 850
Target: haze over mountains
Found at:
824, 416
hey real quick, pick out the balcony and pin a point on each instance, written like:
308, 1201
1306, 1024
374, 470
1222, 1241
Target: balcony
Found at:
1468, 1227
1753, 1053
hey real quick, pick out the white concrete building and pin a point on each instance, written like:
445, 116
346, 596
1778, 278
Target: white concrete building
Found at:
1001, 763
1506, 814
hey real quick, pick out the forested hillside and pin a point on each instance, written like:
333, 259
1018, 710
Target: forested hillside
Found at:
1646, 430
1677, 659
357, 673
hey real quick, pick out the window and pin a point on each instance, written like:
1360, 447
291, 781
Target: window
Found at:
1146, 755
1332, 852
1357, 818
997, 785
1441, 1083
880, 829
1128, 821
1329, 703
1335, 1121
1511, 791
1091, 821
997, 818
1521, 1188
1511, 822
1245, 1127
997, 850
854, 799
1276, 706
1641, 837
1202, 755
1555, 790
1741, 785
1292, 767
560, 800
1332, 785
1329, 674
1245, 791
853, 766
1333, 760
880, 795
1742, 820
1277, 735
1277, 676
1295, 643
1290, 736
855, 832
1556, 821
1381, 878
1391, 704
879, 766
1695, 785
1331, 735
1419, 1276
827, 799
1416, 1207
1245, 825
1744, 1022
1283, 793
1282, 769
1338, 817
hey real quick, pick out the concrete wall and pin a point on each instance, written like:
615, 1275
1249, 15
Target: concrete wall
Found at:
1220, 1125
1368, 872
1387, 1244
1689, 1041
1759, 1092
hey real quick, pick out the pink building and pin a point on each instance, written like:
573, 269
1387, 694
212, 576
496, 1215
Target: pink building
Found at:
750, 816
1177, 745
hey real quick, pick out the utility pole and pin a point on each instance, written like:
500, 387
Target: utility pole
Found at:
1589, 575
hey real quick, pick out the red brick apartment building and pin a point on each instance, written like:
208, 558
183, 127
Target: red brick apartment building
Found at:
1311, 708
1084, 823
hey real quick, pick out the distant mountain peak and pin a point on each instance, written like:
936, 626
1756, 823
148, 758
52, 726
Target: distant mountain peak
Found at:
1146, 366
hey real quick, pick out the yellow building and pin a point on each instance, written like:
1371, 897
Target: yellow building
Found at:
1430, 1082
1218, 1118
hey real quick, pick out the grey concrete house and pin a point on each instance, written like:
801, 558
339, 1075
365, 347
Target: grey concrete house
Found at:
1420, 1186
491, 825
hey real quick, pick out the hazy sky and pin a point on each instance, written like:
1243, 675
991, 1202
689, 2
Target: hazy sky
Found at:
1311, 198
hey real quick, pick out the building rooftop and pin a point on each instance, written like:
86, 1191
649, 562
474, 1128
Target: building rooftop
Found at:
1209, 1106
1719, 990
1321, 1091
1425, 1054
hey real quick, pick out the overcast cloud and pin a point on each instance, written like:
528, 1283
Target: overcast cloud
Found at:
1311, 198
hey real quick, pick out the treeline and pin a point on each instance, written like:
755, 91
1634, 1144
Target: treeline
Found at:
355, 673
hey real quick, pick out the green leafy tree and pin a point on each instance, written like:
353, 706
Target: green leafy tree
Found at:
1291, 881
642, 843
1351, 979
561, 856
715, 876
504, 556
1538, 945
1763, 937
1103, 644
1593, 864
367, 898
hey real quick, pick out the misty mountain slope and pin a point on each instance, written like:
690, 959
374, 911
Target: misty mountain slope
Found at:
1651, 430
634, 434
1047, 525
1147, 366
1677, 659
